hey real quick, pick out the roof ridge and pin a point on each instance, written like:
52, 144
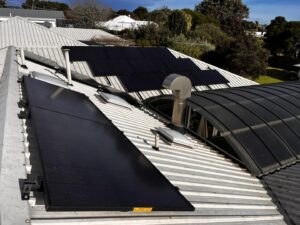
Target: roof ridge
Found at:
42, 27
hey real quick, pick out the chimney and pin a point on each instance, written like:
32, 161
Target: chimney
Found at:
181, 88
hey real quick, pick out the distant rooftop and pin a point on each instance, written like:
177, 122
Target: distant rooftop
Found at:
51, 14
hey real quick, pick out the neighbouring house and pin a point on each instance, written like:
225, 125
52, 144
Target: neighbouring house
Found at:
87, 136
123, 22
47, 18
259, 34
88, 35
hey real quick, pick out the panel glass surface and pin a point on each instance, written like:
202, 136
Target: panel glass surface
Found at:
88, 164
139, 63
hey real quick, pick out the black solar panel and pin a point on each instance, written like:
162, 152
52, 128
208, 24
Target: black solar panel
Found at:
148, 66
261, 123
88, 164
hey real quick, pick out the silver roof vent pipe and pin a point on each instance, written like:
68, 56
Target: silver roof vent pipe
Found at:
181, 88
68, 65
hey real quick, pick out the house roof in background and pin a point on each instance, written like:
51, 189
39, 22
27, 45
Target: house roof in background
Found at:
29, 13
81, 34
121, 19
20, 32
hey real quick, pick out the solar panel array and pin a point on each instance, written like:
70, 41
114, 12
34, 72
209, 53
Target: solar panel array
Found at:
261, 123
88, 164
141, 69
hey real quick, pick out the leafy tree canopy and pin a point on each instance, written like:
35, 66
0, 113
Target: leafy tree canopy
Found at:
2, 3
123, 12
178, 22
282, 36
247, 57
211, 33
141, 12
198, 18
88, 13
230, 13
160, 16
37, 4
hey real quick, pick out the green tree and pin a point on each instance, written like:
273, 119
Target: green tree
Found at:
37, 4
198, 18
192, 47
88, 13
211, 33
282, 36
2, 3
230, 14
247, 57
123, 12
160, 16
151, 35
244, 56
141, 12
178, 22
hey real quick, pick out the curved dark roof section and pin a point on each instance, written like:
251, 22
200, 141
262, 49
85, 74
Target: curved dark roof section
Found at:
261, 123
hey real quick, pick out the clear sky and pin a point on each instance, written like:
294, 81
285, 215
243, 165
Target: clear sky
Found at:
261, 10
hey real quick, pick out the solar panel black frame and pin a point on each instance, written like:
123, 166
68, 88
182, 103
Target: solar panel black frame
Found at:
261, 123
88, 164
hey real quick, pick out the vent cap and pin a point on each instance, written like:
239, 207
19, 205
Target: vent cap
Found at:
116, 100
49, 79
174, 136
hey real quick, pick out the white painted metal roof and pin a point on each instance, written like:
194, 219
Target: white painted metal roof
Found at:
20, 32
221, 191
80, 34
3, 52
123, 22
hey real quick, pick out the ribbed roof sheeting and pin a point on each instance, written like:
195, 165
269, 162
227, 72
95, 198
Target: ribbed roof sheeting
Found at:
220, 190
55, 56
20, 32
285, 186
47, 14
261, 123
83, 34
2, 59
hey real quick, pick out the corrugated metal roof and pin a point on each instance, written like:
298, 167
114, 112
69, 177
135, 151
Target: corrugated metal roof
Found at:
2, 59
47, 14
285, 186
80, 34
20, 32
221, 191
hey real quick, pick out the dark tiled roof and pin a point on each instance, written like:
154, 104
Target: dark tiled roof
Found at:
50, 14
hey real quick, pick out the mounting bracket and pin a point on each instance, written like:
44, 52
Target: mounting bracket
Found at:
26, 186
24, 114
22, 103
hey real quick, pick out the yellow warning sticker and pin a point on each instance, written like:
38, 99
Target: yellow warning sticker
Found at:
142, 210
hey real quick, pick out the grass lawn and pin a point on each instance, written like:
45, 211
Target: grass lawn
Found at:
274, 75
